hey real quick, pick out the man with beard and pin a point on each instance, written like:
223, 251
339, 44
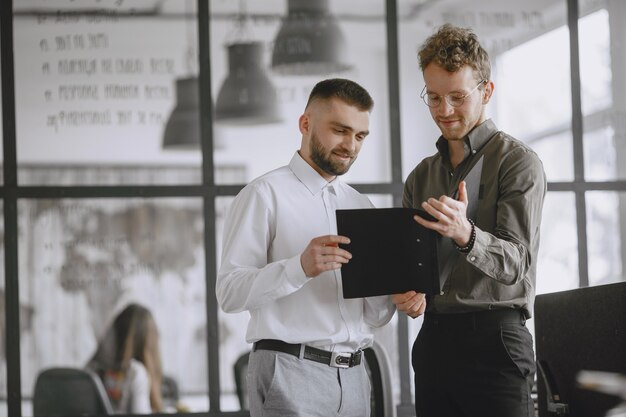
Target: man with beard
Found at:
474, 355
281, 263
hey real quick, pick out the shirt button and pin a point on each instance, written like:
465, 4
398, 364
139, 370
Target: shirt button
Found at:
472, 258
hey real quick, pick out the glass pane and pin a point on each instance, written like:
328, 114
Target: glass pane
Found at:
265, 136
92, 92
82, 261
523, 106
516, 35
606, 214
595, 61
600, 154
557, 266
602, 50
540, 117
556, 153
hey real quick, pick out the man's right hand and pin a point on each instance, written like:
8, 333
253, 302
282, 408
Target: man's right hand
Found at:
412, 303
324, 254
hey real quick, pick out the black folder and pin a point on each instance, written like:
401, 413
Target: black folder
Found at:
392, 253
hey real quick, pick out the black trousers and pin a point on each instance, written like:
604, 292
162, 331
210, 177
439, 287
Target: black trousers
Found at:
474, 365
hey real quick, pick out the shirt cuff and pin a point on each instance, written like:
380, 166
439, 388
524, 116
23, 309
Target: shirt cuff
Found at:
475, 254
294, 272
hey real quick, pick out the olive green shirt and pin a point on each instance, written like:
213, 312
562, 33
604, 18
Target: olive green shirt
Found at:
500, 269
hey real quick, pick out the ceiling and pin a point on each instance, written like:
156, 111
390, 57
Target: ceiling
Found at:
510, 19
347, 8
176, 7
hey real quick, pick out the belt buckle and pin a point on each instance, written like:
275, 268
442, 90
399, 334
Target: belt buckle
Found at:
340, 360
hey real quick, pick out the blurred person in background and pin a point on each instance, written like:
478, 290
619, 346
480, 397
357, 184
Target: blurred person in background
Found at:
128, 361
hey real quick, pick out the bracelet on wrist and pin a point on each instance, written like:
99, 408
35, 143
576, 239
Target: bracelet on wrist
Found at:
470, 243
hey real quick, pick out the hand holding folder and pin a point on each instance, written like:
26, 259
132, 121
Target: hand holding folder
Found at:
393, 254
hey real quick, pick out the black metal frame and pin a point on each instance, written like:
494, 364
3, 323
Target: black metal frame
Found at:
11, 192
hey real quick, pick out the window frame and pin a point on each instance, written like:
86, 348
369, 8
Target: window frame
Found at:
11, 192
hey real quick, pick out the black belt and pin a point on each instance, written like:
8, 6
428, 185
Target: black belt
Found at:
476, 319
334, 359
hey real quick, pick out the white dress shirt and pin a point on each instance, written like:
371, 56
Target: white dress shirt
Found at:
268, 226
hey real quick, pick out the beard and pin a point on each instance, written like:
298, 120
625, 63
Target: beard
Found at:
323, 158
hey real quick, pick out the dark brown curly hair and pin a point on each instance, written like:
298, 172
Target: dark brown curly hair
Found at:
452, 48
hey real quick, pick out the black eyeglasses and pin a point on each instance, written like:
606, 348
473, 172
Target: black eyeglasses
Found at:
454, 99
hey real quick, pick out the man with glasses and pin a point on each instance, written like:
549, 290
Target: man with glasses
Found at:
474, 355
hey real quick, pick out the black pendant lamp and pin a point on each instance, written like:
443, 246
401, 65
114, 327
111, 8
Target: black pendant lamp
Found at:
310, 41
247, 96
182, 130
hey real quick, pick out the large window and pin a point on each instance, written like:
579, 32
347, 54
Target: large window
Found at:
90, 90
117, 200
250, 51
130, 125
82, 261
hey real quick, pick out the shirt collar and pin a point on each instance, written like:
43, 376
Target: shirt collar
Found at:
474, 141
308, 176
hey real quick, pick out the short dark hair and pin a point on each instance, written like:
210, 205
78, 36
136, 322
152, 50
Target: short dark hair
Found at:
452, 48
343, 89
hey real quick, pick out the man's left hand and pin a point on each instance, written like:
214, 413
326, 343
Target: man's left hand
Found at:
451, 216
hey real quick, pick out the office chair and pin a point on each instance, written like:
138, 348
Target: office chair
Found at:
169, 392
553, 404
70, 392
379, 371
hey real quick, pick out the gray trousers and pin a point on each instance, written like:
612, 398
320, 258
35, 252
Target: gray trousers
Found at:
280, 384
